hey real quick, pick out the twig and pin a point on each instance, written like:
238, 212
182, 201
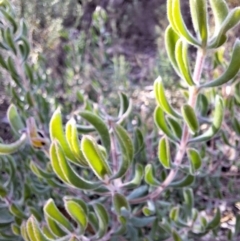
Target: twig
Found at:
185, 137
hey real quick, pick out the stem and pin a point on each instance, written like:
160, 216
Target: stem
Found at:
193, 93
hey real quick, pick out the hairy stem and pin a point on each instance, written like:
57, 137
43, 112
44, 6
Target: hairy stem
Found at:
193, 93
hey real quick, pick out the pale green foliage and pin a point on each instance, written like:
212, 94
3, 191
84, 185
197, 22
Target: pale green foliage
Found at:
105, 185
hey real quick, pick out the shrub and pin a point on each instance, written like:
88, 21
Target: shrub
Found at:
106, 185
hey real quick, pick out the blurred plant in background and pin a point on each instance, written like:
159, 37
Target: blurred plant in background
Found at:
99, 169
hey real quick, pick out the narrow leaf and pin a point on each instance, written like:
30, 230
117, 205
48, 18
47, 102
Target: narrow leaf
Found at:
195, 160
6, 149
190, 118
176, 236
127, 150
14, 119
74, 143
149, 176
94, 157
53, 212
57, 132
175, 127
199, 17
33, 230
136, 179
103, 219
99, 126
162, 100
216, 124
229, 22
160, 121
64, 170
77, 213
231, 70
220, 12
176, 20
119, 202
171, 38
215, 221
181, 55
39, 171
164, 155
186, 181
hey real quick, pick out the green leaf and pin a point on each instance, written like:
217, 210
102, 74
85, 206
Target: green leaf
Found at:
56, 132
175, 127
16, 211
138, 192
99, 126
171, 38
10, 19
15, 229
162, 100
53, 212
6, 149
124, 141
54, 227
23, 230
220, 12
74, 143
150, 209
29, 72
13, 72
35, 213
190, 118
231, 70
181, 55
136, 179
229, 22
3, 62
33, 230
164, 155
64, 170
94, 157
119, 202
186, 181
174, 213
11, 171
25, 46
77, 213
125, 108
127, 150
195, 160
176, 236
103, 219
9, 39
14, 120
236, 125
39, 171
149, 176
202, 104
189, 199
176, 20
3, 191
85, 129
142, 222
215, 221
237, 225
199, 18
47, 232
138, 142
160, 121
216, 124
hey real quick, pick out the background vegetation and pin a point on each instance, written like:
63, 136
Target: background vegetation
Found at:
83, 55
